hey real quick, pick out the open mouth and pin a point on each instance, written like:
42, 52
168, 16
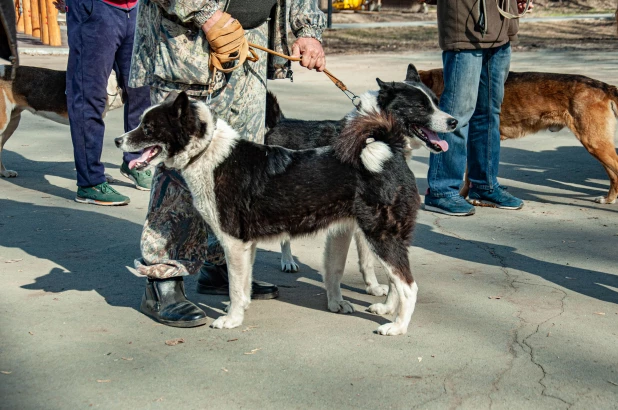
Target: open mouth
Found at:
147, 156
430, 138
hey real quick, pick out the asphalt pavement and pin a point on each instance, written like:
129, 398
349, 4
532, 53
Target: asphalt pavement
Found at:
516, 309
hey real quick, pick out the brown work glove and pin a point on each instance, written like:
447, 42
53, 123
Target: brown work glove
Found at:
228, 44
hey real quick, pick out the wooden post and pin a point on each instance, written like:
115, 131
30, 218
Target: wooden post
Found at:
27, 17
19, 16
52, 22
44, 25
36, 18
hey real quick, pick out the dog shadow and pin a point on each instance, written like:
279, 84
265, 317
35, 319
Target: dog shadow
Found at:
33, 174
94, 252
567, 168
292, 289
597, 285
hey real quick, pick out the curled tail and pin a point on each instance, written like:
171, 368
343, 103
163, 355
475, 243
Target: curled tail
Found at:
369, 141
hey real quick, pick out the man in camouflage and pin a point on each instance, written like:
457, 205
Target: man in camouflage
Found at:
171, 54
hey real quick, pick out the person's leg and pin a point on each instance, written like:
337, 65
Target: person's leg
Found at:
173, 245
484, 135
136, 100
243, 106
462, 71
94, 38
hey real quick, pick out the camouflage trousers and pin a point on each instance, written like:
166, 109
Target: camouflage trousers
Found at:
176, 241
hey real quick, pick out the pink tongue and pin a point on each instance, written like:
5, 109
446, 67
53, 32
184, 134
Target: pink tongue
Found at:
144, 157
433, 137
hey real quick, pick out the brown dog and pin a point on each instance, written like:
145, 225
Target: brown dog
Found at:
546, 101
42, 92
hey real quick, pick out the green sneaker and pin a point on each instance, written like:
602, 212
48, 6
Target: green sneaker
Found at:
141, 179
102, 194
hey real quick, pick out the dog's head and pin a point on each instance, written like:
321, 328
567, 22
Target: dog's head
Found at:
172, 133
415, 107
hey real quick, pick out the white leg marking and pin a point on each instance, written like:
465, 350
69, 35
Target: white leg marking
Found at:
288, 264
337, 244
238, 255
388, 307
365, 263
603, 200
8, 131
404, 309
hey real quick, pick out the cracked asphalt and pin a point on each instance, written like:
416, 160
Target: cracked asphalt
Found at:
516, 309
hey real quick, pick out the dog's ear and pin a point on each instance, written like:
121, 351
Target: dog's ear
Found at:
181, 104
412, 74
383, 85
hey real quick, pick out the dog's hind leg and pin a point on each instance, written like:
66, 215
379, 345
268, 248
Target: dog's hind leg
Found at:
335, 255
393, 254
598, 139
5, 135
365, 263
239, 256
288, 264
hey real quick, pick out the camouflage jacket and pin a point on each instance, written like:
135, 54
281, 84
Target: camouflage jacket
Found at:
171, 51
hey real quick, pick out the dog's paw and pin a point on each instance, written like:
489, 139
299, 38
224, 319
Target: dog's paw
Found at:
603, 200
340, 306
289, 266
380, 309
377, 290
7, 173
227, 322
391, 329
109, 179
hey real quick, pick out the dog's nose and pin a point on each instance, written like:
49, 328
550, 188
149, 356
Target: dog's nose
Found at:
452, 123
118, 141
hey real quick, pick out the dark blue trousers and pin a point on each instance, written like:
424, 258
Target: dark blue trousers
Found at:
100, 39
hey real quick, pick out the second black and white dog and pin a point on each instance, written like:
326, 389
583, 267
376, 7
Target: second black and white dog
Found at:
410, 103
248, 193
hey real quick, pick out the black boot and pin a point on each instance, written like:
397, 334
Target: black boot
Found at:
213, 280
165, 301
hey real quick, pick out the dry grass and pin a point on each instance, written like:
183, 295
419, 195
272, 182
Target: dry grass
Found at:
570, 35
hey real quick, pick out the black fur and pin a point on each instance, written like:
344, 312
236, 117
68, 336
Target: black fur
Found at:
405, 101
277, 190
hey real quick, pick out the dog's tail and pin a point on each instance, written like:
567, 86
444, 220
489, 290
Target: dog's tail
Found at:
369, 141
273, 111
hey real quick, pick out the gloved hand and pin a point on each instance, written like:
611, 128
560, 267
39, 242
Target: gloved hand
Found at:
227, 41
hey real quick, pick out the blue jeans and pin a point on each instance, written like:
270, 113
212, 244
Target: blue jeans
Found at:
100, 39
473, 93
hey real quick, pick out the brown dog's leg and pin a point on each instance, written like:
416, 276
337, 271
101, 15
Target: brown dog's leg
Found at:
8, 132
597, 136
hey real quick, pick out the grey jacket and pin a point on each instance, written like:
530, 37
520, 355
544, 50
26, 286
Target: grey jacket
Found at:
475, 24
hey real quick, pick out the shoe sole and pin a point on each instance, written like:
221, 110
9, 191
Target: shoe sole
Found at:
442, 211
100, 203
193, 323
489, 204
208, 290
137, 186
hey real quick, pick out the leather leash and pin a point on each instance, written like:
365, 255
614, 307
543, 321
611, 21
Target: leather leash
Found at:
353, 97
231, 45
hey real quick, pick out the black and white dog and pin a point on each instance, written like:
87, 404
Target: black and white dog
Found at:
410, 103
248, 193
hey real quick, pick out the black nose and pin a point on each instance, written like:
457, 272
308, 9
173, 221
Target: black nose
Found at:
118, 141
452, 123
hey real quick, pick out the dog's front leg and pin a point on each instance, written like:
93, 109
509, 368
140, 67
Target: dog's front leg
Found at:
365, 263
337, 244
239, 256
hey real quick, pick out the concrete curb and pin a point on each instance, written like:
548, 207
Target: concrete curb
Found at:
56, 51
